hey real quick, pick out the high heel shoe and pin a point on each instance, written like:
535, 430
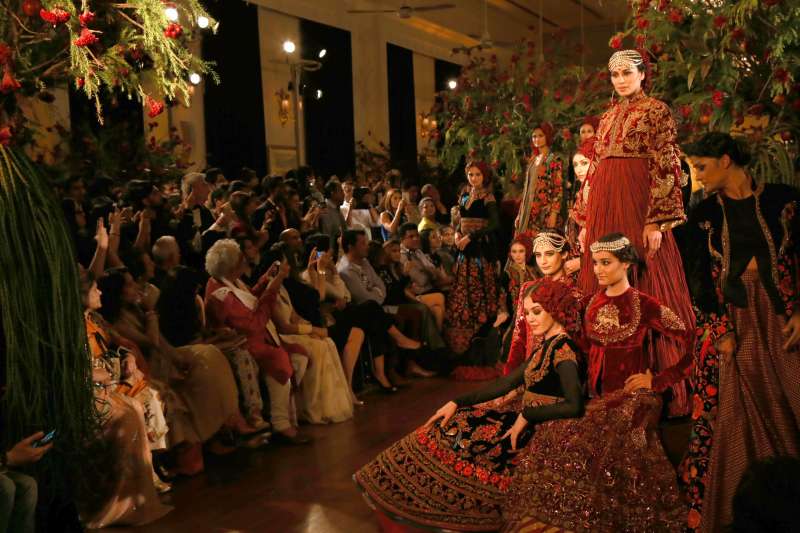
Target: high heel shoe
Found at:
391, 389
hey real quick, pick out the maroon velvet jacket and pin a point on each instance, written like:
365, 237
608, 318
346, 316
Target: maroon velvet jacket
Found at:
616, 328
226, 310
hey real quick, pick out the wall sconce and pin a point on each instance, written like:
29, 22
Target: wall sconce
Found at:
427, 125
284, 105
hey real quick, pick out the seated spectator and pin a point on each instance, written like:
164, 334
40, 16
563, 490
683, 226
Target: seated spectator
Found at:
442, 213
294, 213
216, 178
394, 215
79, 231
325, 395
148, 203
126, 493
18, 491
272, 214
431, 245
255, 265
250, 179
427, 210
194, 217
348, 187
166, 256
199, 374
427, 279
231, 303
411, 196
360, 213
331, 221
182, 319
217, 199
243, 205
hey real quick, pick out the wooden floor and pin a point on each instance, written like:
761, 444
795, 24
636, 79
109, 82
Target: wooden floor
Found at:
302, 488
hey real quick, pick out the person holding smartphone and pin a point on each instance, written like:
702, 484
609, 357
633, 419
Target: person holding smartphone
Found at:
18, 492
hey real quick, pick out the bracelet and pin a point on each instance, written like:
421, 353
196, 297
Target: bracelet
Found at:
304, 329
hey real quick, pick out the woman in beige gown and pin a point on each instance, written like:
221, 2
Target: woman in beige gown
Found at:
125, 492
324, 392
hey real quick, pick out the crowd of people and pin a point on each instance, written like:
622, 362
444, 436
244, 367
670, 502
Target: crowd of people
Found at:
224, 311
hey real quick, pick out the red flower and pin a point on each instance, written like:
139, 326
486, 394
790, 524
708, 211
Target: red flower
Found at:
31, 7
5, 54
569, 99
482, 474
781, 75
9, 84
494, 479
156, 107
641, 39
86, 18
557, 95
720, 21
738, 34
697, 406
459, 466
718, 97
711, 390
685, 111
174, 30
5, 135
87, 38
566, 134
675, 16
642, 23
79, 82
467, 470
616, 41
526, 101
54, 16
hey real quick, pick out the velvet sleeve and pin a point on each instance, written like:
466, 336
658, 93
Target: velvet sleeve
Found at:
516, 354
662, 319
556, 192
571, 407
498, 388
665, 205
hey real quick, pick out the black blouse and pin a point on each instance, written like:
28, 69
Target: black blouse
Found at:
561, 380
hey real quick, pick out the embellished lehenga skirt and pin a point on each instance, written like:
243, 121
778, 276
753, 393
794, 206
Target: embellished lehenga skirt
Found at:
452, 478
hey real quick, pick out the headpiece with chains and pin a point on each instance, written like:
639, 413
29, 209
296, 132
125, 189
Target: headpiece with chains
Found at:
550, 238
625, 59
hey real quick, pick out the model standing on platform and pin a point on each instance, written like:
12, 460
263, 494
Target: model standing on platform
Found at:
541, 197
454, 471
607, 471
636, 190
474, 298
743, 272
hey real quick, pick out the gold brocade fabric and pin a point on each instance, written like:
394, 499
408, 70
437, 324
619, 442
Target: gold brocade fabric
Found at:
605, 472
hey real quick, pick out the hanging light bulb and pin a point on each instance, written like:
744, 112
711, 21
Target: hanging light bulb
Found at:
452, 84
203, 22
319, 94
289, 47
195, 78
323, 53
171, 13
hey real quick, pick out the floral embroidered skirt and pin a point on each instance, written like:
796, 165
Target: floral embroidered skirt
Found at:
453, 478
604, 472
472, 302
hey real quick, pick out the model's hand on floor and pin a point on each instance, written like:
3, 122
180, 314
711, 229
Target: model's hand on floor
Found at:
445, 412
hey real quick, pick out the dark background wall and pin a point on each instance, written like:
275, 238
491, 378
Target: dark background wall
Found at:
402, 119
330, 132
234, 110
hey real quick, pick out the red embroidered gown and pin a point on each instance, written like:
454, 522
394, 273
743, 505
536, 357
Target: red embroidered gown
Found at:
637, 181
607, 471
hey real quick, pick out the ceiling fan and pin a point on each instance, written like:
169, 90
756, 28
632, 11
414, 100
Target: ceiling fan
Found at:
405, 11
485, 40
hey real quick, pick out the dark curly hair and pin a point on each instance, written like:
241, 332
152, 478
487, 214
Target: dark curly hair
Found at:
557, 298
717, 144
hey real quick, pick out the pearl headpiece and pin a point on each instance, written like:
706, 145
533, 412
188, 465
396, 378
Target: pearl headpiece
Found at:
612, 246
550, 238
625, 58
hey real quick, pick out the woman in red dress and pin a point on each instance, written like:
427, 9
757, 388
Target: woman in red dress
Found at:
607, 471
636, 190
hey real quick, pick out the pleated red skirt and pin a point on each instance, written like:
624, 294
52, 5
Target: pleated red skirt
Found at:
618, 203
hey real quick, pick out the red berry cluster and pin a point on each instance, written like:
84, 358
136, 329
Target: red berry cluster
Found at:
155, 107
54, 16
174, 30
86, 38
86, 18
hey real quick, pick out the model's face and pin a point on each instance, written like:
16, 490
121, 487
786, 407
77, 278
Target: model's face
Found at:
427, 209
608, 269
710, 172
539, 321
586, 132
475, 177
517, 254
581, 165
538, 138
627, 80
93, 302
549, 260
448, 237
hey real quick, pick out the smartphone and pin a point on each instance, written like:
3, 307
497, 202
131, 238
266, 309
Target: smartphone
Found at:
44, 441
320, 254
